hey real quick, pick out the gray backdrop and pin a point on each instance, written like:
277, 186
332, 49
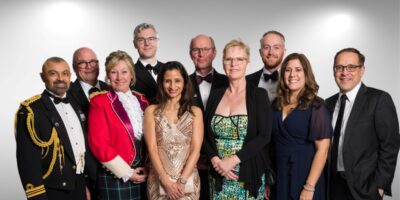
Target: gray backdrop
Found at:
32, 31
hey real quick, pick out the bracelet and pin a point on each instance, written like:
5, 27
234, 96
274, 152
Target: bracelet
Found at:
308, 188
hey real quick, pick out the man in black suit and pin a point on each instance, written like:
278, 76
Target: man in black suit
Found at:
204, 80
86, 68
272, 51
366, 133
52, 152
147, 66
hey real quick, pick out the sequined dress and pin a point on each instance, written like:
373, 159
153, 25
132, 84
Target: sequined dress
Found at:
230, 132
173, 141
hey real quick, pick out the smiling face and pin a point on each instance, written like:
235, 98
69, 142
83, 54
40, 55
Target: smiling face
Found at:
272, 50
146, 43
86, 66
235, 62
202, 53
57, 77
120, 77
344, 79
294, 77
173, 83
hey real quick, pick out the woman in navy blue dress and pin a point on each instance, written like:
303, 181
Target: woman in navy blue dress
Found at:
302, 131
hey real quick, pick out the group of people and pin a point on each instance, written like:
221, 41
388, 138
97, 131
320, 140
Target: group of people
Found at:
155, 132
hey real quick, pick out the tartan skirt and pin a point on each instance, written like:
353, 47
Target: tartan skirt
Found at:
112, 188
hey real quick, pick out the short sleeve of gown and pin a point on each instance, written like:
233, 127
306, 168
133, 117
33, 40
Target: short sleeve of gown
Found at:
321, 126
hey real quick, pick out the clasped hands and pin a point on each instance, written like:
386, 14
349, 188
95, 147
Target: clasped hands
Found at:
226, 166
174, 190
139, 175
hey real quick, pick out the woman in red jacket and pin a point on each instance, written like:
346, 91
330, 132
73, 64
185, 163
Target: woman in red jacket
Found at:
115, 132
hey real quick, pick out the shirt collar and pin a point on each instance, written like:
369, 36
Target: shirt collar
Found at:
351, 95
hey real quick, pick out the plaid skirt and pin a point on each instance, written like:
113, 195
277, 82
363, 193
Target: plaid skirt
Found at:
112, 188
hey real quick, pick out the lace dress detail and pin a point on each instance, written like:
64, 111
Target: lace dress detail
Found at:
173, 141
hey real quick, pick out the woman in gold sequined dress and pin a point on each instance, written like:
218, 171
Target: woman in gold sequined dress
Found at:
174, 135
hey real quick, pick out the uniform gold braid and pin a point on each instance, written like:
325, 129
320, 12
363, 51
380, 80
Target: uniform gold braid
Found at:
58, 149
97, 93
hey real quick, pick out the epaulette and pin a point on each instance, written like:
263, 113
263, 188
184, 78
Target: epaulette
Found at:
25, 103
58, 148
97, 93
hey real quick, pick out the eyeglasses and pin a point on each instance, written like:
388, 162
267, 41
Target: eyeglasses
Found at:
84, 64
349, 68
203, 50
141, 40
239, 61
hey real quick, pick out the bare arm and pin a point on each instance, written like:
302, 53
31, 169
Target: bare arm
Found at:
318, 164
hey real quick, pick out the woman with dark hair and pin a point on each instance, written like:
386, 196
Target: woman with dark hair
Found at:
174, 135
115, 132
301, 131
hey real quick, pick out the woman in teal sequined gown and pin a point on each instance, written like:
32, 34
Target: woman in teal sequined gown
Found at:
238, 123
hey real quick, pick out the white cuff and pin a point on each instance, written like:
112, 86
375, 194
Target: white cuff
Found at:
118, 166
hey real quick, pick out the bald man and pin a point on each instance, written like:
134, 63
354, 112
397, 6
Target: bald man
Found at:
52, 152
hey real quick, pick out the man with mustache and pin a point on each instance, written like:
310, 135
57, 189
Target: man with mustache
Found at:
52, 151
272, 51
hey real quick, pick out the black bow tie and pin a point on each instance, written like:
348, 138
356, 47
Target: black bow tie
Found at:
273, 76
150, 68
200, 79
58, 100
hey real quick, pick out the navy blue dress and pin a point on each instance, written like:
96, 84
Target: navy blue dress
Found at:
295, 148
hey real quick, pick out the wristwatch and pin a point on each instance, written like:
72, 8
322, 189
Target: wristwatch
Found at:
182, 181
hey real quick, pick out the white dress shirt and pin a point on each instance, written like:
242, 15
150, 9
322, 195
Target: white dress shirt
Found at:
351, 96
151, 72
205, 89
86, 87
75, 133
270, 86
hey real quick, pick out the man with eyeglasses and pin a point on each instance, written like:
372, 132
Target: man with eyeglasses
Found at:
366, 133
86, 68
272, 51
147, 66
205, 79
52, 151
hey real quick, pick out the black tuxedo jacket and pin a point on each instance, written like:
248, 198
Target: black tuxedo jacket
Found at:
371, 142
78, 95
145, 82
254, 78
34, 161
218, 81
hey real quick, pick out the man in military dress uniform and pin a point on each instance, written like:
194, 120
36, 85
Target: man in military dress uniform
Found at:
52, 151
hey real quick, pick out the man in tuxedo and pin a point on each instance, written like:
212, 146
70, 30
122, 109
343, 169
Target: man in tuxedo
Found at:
147, 66
52, 152
205, 79
366, 133
272, 51
86, 68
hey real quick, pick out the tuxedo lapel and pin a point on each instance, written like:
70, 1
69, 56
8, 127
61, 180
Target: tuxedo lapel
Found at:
358, 106
79, 96
254, 79
56, 121
144, 76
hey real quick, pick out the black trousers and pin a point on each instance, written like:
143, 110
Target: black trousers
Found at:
339, 190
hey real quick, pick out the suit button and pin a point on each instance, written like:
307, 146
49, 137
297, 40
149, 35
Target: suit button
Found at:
73, 167
64, 184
